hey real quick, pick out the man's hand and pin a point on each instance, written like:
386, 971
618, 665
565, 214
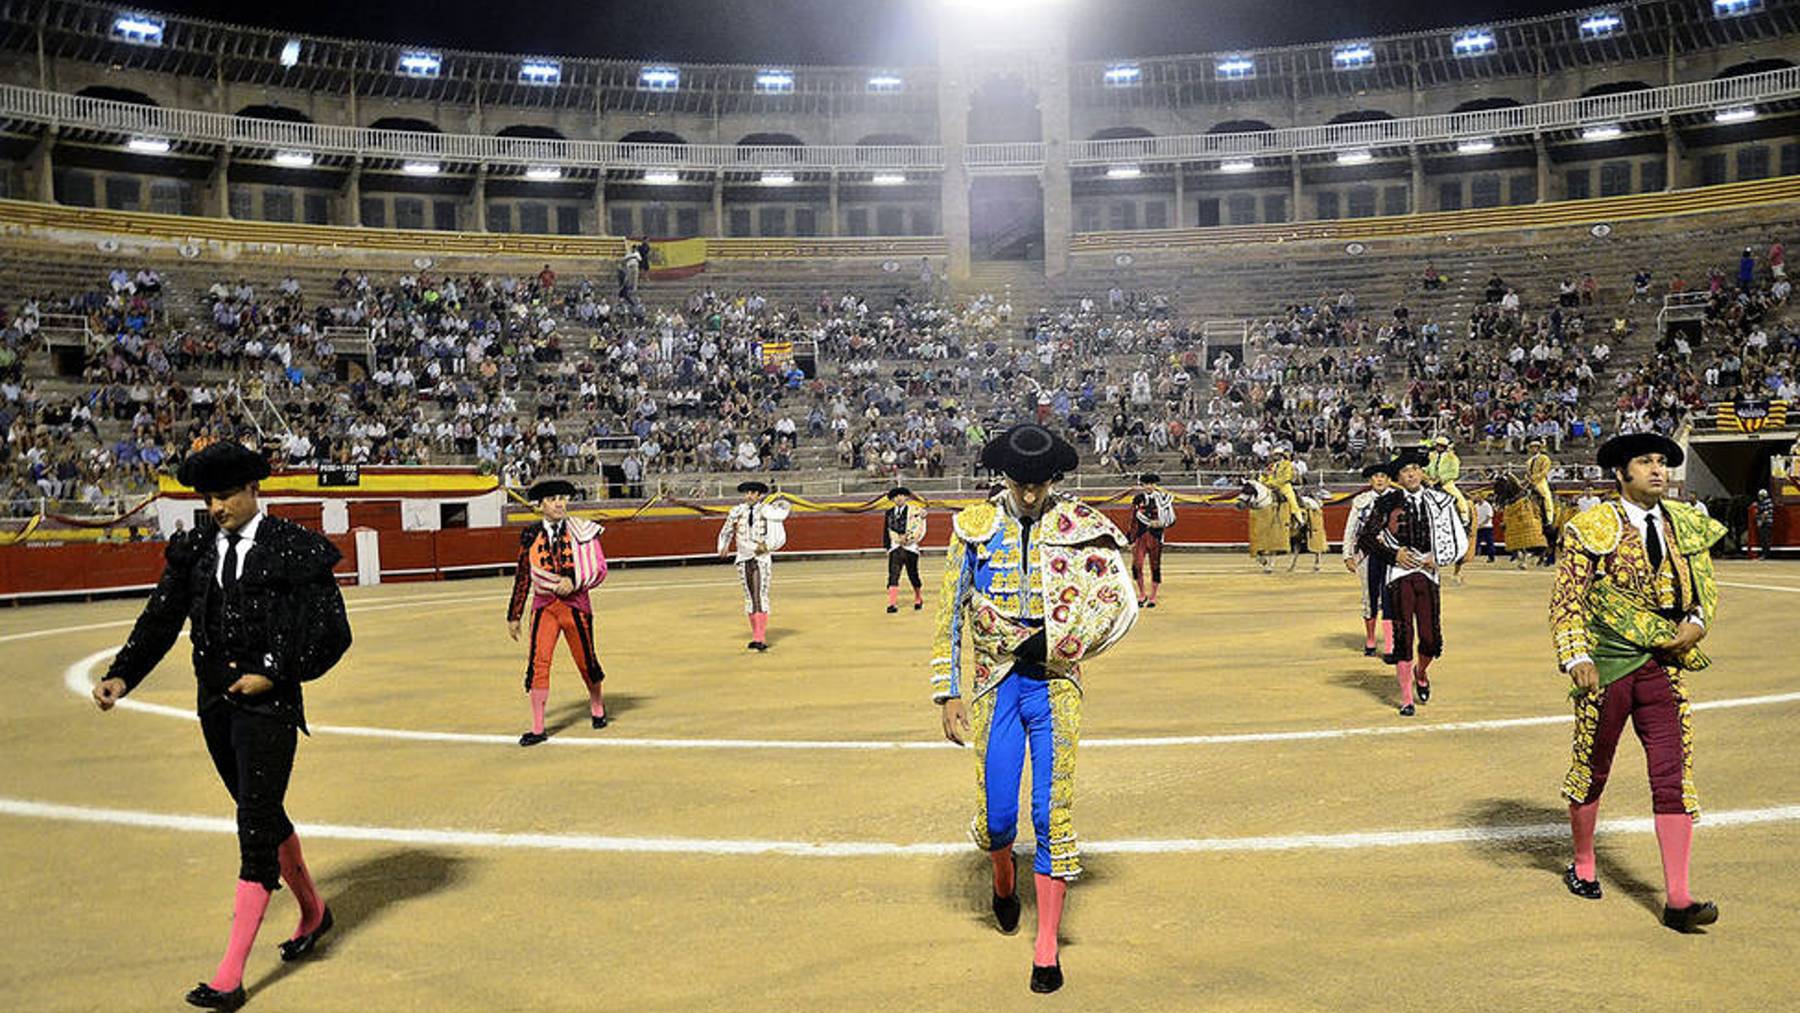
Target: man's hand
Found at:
1585, 677
251, 685
512, 627
564, 587
1350, 564
956, 721
1686, 636
108, 692
761, 549
1407, 559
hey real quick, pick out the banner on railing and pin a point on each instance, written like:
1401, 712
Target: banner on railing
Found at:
1751, 415
677, 258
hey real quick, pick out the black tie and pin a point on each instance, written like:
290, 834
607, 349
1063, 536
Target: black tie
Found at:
1653, 542
228, 576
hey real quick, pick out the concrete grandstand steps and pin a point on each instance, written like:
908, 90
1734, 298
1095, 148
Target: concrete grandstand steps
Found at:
1020, 282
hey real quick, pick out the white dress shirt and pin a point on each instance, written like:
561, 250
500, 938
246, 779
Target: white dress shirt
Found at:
246, 538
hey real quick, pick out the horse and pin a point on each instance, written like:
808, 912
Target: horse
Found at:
1275, 530
1523, 516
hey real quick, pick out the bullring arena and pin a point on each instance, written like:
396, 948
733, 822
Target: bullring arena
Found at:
402, 297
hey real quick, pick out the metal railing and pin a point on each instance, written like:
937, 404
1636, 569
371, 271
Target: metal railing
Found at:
1568, 114
61, 110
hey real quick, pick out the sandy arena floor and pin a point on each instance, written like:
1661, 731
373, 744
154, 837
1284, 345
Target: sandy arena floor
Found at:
787, 831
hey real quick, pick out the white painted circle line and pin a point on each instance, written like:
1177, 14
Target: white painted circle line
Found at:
79, 680
28, 809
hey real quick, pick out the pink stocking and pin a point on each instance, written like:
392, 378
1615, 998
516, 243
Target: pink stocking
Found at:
246, 917
1050, 895
295, 874
1675, 836
1404, 671
538, 698
1581, 825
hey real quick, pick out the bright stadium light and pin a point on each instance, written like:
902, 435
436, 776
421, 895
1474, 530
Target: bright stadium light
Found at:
777, 179
290, 53
544, 73
1742, 114
294, 159
661, 177
1734, 8
1476, 42
1238, 165
1602, 132
1352, 57
889, 178
1479, 146
149, 145
1600, 24
420, 64
138, 29
1124, 172
659, 79
1123, 75
1234, 68
1356, 157
886, 83
542, 173
421, 168
774, 82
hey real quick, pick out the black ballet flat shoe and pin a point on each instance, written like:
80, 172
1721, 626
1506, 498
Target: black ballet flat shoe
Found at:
207, 997
1006, 912
751, 646
1388, 659
300, 946
1587, 889
1368, 652
918, 605
533, 738
758, 645
1149, 604
1422, 690
1045, 980
1407, 711
893, 609
1690, 918
602, 721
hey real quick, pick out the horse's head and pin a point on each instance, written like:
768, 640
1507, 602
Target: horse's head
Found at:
1254, 495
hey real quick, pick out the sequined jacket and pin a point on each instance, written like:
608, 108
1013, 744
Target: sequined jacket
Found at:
1070, 581
1609, 606
284, 619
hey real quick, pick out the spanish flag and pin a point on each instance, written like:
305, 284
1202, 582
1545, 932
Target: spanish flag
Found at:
676, 258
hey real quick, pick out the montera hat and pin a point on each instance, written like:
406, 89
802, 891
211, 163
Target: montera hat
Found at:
753, 486
552, 487
222, 467
1030, 454
1619, 451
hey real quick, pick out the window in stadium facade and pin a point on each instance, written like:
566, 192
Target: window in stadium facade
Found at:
1450, 195
1790, 159
806, 222
1484, 191
687, 222
534, 218
1394, 200
1275, 209
278, 205
242, 203
499, 218
409, 213
443, 215
1124, 216
122, 193
568, 220
1328, 205
1522, 190
1156, 214
1361, 202
740, 223
1753, 162
1653, 176
1579, 183
318, 209
374, 213
1713, 169
1615, 179
1242, 207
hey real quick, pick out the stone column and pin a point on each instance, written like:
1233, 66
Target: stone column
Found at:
600, 223
41, 171
1418, 179
953, 135
832, 229
718, 195
1543, 168
1295, 212
1053, 107
480, 197
1181, 215
220, 183
353, 193
1673, 164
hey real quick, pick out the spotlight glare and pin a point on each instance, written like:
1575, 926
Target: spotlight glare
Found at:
1356, 157
543, 172
149, 145
1124, 172
1602, 132
421, 168
294, 159
290, 53
1742, 114
1478, 146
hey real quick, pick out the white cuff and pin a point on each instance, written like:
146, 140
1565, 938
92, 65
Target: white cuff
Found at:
1577, 660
